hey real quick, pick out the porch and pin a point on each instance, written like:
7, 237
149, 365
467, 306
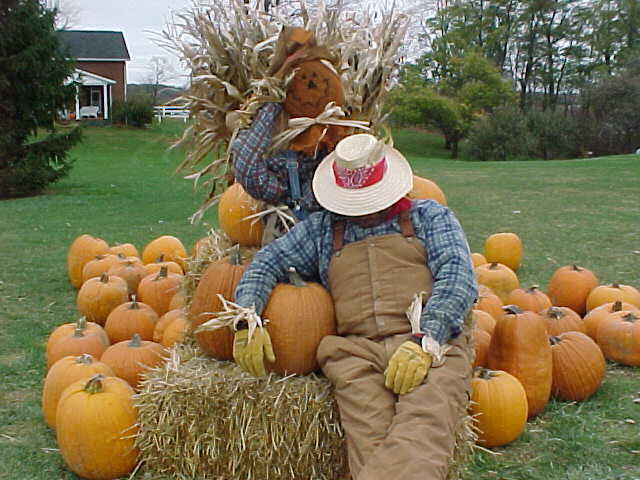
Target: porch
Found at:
94, 98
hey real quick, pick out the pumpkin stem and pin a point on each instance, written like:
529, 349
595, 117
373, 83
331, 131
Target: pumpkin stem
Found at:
135, 340
493, 265
104, 278
615, 285
484, 373
234, 257
513, 309
617, 306
163, 273
576, 268
94, 385
630, 317
553, 340
85, 359
295, 278
78, 332
134, 305
555, 313
533, 288
160, 259
121, 256
81, 323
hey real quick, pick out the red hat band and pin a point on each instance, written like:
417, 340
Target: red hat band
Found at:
356, 178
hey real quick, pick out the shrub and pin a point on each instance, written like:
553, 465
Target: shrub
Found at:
551, 135
501, 135
135, 112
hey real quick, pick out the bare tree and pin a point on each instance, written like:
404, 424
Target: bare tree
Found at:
160, 70
68, 13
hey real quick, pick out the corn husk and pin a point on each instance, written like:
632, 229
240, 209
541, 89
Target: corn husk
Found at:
229, 46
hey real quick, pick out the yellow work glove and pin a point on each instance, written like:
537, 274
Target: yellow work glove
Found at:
250, 354
407, 368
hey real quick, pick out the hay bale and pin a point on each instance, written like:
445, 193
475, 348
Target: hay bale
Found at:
206, 419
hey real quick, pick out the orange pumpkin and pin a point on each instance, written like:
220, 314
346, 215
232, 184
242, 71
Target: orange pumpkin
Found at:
63, 373
83, 249
423, 188
300, 315
532, 299
570, 286
520, 346
69, 329
125, 249
154, 267
178, 300
220, 277
98, 296
96, 428
505, 248
130, 318
175, 331
77, 343
489, 302
610, 293
130, 358
157, 290
483, 320
478, 259
619, 339
562, 319
130, 271
99, 265
499, 407
578, 366
596, 316
499, 278
481, 341
163, 323
234, 206
168, 246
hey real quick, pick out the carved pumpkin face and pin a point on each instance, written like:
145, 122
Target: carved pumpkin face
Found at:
313, 86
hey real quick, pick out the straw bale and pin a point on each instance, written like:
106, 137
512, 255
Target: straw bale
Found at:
206, 419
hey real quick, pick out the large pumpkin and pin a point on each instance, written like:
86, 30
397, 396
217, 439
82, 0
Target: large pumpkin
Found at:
96, 428
499, 407
130, 358
129, 318
619, 339
234, 206
423, 188
168, 246
520, 346
83, 249
300, 314
63, 373
98, 296
570, 286
498, 277
578, 366
610, 293
220, 277
505, 248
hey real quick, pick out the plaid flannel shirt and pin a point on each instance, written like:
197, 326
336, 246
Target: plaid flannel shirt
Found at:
308, 248
265, 177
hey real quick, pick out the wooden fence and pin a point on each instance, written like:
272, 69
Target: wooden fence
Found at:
170, 111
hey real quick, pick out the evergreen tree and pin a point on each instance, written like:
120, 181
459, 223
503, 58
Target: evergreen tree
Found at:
33, 69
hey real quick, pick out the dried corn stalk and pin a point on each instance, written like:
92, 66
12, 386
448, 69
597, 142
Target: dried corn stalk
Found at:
229, 45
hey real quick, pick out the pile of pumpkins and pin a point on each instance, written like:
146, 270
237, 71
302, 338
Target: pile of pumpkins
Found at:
530, 344
130, 311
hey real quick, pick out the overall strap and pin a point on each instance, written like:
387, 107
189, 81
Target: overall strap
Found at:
338, 235
406, 226
295, 188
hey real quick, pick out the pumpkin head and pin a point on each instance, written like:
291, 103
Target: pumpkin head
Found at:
314, 85
98, 296
619, 339
130, 358
481, 342
168, 246
83, 249
578, 366
562, 319
570, 286
520, 346
220, 277
505, 248
423, 188
129, 318
499, 407
300, 315
157, 290
63, 373
599, 314
95, 427
532, 299
610, 293
498, 277
234, 206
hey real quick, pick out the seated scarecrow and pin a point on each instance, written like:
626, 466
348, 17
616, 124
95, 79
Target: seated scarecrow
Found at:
402, 385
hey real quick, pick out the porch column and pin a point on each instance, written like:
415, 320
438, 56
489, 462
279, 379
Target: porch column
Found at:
104, 102
77, 103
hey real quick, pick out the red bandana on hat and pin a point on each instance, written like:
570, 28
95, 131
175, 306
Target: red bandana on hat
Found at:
359, 177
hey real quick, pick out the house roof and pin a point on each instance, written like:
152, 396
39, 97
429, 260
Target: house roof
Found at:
95, 44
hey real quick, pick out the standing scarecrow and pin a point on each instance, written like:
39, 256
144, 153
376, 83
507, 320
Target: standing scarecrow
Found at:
402, 385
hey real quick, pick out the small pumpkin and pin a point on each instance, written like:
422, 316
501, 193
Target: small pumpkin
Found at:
220, 277
619, 339
130, 358
596, 316
168, 246
610, 293
63, 373
130, 318
532, 299
505, 248
478, 259
125, 249
481, 341
83, 249
175, 331
99, 265
499, 278
578, 366
163, 323
155, 266
234, 207
489, 302
498, 406
562, 319
570, 286
179, 300
300, 315
76, 344
520, 346
423, 188
98, 296
130, 271
96, 428
483, 320
69, 329
156, 290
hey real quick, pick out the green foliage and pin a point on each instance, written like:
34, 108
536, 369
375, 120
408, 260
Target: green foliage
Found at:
42, 162
33, 68
135, 112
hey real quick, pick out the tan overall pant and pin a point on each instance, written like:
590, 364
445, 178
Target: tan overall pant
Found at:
389, 436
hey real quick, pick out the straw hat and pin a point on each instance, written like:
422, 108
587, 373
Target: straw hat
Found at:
361, 176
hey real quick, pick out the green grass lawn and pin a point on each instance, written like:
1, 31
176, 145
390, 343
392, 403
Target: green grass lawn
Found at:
123, 189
